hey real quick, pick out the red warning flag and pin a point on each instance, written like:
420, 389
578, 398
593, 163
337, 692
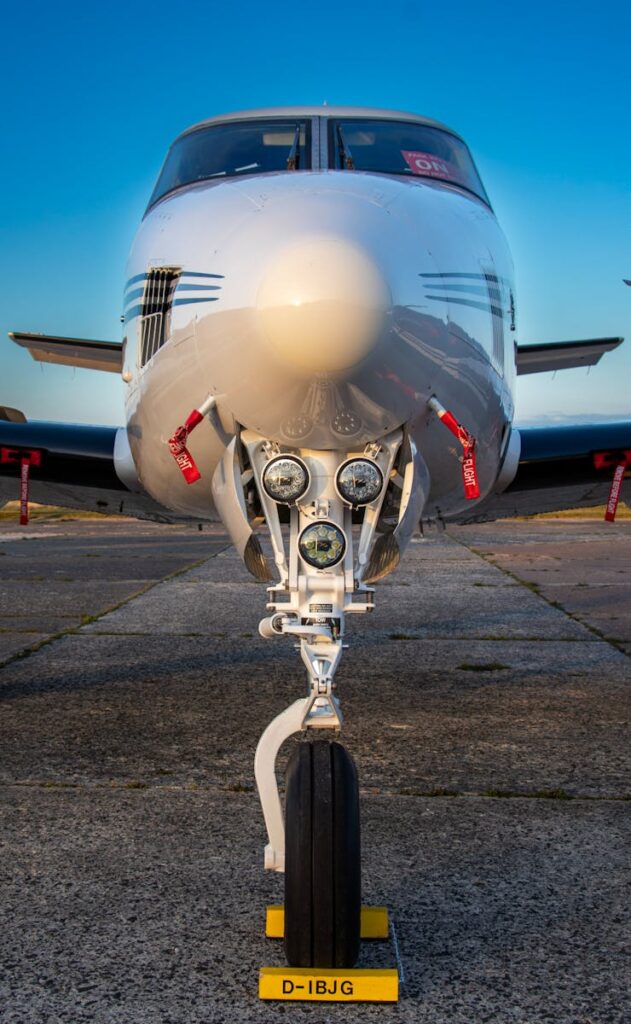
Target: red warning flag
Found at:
470, 474
26, 457
469, 468
179, 451
620, 461
177, 442
614, 493
24, 474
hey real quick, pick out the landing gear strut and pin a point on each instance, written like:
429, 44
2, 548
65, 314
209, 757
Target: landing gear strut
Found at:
324, 571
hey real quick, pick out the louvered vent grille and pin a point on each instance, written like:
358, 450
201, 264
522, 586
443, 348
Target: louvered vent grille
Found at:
156, 307
497, 318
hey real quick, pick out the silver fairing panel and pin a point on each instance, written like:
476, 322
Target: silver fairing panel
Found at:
435, 259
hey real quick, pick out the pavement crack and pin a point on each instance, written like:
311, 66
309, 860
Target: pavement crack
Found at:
535, 588
558, 795
88, 619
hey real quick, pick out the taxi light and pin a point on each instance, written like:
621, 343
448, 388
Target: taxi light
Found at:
359, 482
322, 545
285, 479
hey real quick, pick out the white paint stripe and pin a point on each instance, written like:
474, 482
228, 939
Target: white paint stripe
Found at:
5, 538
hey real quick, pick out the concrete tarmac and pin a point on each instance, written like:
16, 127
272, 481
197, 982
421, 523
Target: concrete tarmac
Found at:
487, 705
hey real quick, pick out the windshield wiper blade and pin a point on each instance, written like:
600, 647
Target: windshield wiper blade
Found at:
293, 160
346, 157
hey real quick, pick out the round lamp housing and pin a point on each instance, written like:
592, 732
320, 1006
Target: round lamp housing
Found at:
285, 479
359, 482
322, 545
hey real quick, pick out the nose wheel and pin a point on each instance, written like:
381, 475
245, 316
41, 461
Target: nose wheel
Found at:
322, 857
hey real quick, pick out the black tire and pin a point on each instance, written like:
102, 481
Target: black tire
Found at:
322, 857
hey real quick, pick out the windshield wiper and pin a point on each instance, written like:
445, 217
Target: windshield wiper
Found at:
293, 160
346, 157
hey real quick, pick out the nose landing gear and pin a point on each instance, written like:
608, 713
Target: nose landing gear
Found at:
317, 840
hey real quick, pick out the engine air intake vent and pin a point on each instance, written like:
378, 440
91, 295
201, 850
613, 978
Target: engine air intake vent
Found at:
494, 288
156, 307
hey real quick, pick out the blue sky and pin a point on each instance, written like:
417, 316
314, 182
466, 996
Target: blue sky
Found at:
94, 94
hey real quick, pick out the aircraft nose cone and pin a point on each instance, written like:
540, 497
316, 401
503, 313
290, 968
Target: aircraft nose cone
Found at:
322, 305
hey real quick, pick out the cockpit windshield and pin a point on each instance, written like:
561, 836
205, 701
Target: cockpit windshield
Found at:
405, 148
239, 147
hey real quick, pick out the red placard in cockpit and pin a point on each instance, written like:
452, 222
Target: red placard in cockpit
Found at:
430, 166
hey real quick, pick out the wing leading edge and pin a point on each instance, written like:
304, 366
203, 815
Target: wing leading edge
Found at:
562, 355
108, 355
90, 355
76, 467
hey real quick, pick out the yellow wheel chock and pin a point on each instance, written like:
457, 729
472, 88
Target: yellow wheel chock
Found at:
333, 986
314, 984
374, 922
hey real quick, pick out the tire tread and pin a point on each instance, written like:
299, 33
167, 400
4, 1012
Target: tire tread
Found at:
322, 857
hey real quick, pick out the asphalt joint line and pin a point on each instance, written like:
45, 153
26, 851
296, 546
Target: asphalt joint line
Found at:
161, 785
536, 589
87, 620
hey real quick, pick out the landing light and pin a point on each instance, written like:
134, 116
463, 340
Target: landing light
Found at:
285, 479
322, 545
359, 482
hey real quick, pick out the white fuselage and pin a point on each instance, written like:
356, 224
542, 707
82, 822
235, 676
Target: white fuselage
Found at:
323, 309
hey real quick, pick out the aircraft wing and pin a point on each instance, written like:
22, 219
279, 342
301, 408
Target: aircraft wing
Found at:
562, 355
72, 465
91, 355
559, 468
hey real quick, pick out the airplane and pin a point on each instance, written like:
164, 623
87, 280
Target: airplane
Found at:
319, 349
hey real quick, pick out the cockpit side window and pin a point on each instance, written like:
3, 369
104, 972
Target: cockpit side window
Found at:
236, 148
405, 148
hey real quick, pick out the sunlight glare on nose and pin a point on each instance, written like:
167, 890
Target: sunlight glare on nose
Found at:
322, 303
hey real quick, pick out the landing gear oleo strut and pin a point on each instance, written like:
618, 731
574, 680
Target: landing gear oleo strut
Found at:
325, 574
350, 515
